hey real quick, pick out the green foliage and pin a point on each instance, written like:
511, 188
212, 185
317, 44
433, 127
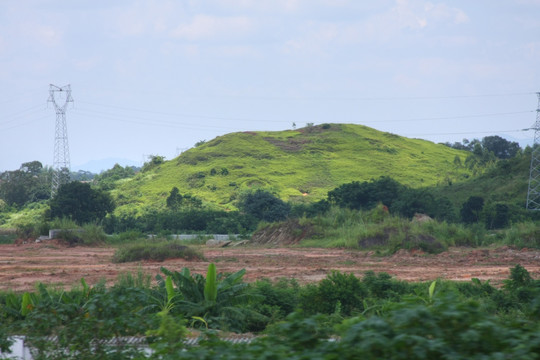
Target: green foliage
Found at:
30, 183
497, 216
398, 198
275, 301
500, 147
93, 234
290, 163
390, 319
80, 327
221, 301
80, 202
471, 209
190, 221
264, 206
153, 162
523, 235
344, 292
107, 179
175, 199
366, 195
155, 251
358, 229
210, 286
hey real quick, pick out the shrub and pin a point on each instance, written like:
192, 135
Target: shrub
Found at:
264, 206
277, 300
337, 293
155, 251
526, 234
93, 234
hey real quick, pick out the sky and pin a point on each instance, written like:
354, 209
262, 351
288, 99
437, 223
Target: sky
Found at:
154, 77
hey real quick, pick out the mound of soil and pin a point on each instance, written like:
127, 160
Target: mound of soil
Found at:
286, 233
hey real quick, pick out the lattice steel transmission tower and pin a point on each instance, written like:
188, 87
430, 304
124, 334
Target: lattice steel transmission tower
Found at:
533, 195
60, 97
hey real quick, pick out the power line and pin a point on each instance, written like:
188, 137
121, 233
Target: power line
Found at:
470, 132
287, 121
452, 117
188, 115
24, 123
354, 98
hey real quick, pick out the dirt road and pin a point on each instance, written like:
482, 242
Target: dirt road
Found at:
21, 266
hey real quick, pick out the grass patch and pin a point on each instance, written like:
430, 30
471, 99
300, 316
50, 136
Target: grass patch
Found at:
155, 251
523, 235
355, 229
7, 238
125, 237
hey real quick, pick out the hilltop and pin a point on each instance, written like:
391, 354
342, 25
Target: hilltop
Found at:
297, 165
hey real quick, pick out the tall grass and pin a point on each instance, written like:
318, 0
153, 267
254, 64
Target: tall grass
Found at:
138, 280
523, 235
357, 229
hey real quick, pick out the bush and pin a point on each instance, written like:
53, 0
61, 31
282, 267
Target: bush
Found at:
264, 206
276, 301
93, 234
523, 235
154, 251
338, 293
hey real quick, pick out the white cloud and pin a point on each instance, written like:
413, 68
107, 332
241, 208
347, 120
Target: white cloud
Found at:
207, 26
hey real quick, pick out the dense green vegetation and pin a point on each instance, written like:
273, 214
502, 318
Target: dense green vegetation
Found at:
297, 165
342, 317
230, 184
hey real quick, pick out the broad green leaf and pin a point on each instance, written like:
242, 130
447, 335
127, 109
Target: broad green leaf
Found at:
432, 289
210, 287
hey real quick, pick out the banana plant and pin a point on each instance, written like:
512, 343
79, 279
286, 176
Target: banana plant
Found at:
218, 298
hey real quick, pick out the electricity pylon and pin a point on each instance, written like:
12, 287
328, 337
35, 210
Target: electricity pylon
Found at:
60, 97
533, 195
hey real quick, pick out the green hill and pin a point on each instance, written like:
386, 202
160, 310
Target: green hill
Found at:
297, 165
505, 181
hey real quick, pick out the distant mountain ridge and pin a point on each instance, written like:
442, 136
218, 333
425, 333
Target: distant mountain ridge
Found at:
297, 165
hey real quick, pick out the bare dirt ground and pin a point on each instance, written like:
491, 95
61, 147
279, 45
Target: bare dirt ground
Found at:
21, 266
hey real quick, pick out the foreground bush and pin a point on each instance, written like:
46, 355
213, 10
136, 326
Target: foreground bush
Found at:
155, 251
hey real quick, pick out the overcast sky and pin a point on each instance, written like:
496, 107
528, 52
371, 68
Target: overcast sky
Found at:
155, 77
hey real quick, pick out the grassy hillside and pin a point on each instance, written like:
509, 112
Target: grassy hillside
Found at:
506, 181
297, 165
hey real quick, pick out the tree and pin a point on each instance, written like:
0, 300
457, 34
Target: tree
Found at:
106, 180
27, 184
174, 201
81, 203
264, 206
412, 201
366, 195
471, 209
154, 161
501, 148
